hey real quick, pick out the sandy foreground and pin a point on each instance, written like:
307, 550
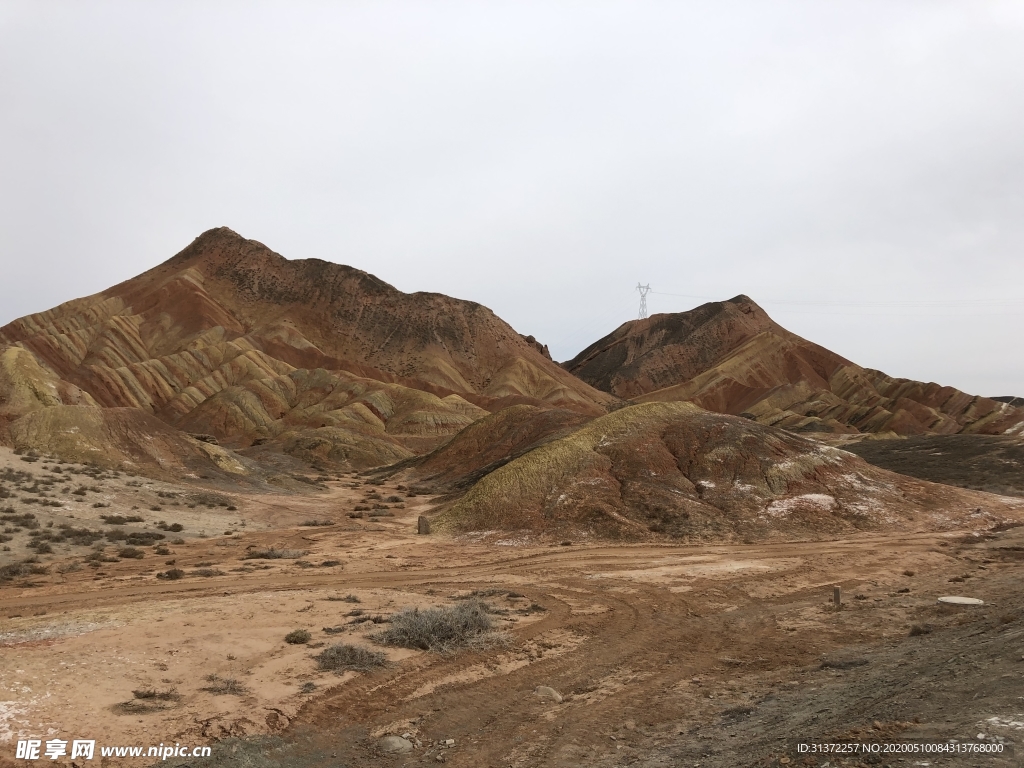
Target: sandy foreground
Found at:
661, 655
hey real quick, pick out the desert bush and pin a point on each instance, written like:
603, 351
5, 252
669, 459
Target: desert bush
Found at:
25, 568
133, 538
139, 707
151, 693
342, 657
131, 553
317, 523
308, 687
274, 554
171, 575
224, 685
120, 519
438, 629
375, 619
298, 637
173, 527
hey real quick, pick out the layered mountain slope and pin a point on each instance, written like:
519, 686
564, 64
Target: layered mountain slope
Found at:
673, 469
731, 357
231, 339
485, 445
125, 438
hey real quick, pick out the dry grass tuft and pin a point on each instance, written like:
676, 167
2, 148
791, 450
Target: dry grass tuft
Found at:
444, 630
274, 554
298, 637
342, 657
224, 685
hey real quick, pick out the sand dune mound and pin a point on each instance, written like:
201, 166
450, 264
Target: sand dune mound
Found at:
676, 470
731, 357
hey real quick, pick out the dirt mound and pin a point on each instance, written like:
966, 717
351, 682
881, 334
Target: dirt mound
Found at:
993, 463
486, 445
731, 357
230, 339
677, 470
122, 438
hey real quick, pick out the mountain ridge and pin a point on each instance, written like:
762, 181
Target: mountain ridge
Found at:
731, 357
230, 338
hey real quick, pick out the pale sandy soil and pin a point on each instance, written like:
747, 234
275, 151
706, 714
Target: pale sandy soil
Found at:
644, 642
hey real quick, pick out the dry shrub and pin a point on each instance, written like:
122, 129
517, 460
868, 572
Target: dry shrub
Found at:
298, 637
150, 693
342, 657
172, 575
445, 629
15, 570
224, 685
274, 554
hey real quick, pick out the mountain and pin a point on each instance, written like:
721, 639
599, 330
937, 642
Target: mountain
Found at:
230, 340
675, 470
731, 357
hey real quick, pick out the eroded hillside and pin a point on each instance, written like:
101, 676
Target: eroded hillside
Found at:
731, 357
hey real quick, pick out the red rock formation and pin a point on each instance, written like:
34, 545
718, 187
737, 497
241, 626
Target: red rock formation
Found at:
231, 339
731, 357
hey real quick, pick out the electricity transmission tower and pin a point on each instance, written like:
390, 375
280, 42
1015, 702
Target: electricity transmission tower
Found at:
644, 290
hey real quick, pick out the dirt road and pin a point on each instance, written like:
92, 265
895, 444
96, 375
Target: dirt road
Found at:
661, 655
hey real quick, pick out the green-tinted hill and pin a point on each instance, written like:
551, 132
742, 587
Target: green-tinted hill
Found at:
675, 470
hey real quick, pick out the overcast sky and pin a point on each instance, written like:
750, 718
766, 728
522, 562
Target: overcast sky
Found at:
855, 167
